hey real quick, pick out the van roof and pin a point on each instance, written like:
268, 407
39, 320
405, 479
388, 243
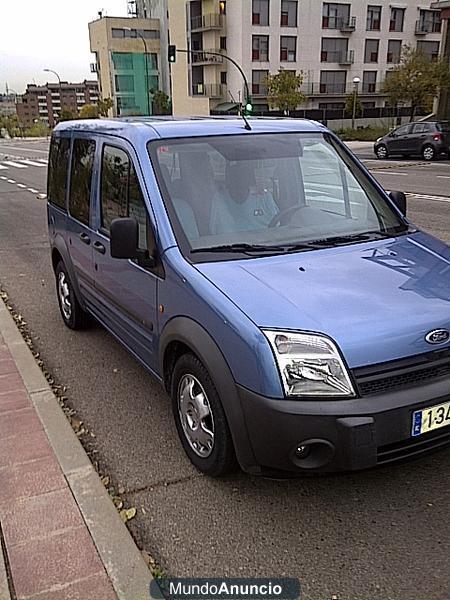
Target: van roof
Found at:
175, 127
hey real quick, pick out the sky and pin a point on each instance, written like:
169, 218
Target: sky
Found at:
53, 34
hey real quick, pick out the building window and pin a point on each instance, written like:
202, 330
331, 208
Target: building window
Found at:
369, 82
333, 82
397, 19
394, 51
223, 77
288, 48
333, 49
334, 16
80, 180
429, 49
259, 83
223, 8
430, 21
260, 12
223, 42
289, 9
260, 48
124, 83
149, 34
122, 61
373, 18
371, 51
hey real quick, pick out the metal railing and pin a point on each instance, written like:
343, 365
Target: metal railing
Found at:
209, 90
205, 56
424, 27
207, 21
336, 56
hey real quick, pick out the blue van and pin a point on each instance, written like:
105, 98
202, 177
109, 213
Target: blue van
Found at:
298, 320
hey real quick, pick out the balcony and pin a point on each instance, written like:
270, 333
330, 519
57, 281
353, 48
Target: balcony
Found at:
209, 21
202, 57
340, 89
347, 58
347, 25
208, 90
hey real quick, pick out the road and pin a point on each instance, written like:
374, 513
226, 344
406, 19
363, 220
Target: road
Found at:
382, 534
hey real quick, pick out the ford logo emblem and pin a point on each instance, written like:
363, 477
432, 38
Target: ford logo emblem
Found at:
438, 336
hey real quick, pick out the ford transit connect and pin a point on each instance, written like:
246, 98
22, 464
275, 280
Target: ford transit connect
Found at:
297, 318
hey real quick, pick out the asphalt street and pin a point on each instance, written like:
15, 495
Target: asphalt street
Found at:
382, 534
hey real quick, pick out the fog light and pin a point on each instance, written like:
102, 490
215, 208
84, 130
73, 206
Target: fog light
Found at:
302, 451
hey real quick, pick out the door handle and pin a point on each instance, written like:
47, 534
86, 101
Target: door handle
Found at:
99, 247
85, 238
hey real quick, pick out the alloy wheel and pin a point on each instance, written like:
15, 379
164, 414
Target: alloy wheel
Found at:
196, 415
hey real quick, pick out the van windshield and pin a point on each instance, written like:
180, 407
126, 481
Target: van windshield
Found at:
267, 193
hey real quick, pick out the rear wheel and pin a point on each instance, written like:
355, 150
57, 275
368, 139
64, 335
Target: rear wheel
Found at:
72, 313
200, 418
382, 152
428, 152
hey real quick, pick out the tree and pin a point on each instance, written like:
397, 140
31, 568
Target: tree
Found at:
416, 80
284, 91
66, 114
89, 111
353, 101
104, 106
160, 103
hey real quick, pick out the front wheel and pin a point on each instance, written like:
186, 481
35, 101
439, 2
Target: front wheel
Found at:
200, 418
72, 313
428, 153
382, 152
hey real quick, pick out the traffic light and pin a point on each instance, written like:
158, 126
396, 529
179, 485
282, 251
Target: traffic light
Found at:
172, 54
248, 108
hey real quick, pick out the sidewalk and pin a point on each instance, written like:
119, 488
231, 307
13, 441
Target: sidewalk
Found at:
60, 536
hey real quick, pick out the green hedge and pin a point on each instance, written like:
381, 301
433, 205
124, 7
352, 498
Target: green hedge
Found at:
362, 134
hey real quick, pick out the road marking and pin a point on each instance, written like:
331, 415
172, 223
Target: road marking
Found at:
43, 160
32, 190
32, 163
389, 173
2, 167
21, 185
10, 163
427, 197
24, 149
11, 181
4, 178
443, 176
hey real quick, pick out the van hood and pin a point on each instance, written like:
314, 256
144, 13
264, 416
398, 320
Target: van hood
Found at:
377, 300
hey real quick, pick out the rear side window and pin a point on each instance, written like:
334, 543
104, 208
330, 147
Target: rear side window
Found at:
57, 171
443, 126
81, 179
121, 194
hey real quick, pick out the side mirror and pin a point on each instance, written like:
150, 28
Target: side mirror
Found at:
124, 241
399, 199
124, 238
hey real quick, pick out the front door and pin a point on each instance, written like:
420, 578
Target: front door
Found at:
398, 143
126, 293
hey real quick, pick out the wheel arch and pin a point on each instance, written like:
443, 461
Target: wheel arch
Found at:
181, 335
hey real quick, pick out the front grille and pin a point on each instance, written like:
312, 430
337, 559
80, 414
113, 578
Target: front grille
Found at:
412, 447
404, 373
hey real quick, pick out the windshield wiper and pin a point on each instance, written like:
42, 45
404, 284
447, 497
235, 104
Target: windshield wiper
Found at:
241, 247
355, 237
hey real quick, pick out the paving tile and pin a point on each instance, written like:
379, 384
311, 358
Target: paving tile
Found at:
38, 565
20, 449
19, 422
11, 382
7, 365
14, 401
97, 587
39, 516
30, 479
4, 352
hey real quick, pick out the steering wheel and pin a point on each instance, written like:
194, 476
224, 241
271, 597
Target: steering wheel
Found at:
285, 215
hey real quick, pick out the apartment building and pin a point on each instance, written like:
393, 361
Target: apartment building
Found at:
44, 102
127, 61
332, 43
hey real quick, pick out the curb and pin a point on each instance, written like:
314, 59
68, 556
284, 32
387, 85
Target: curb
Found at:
122, 560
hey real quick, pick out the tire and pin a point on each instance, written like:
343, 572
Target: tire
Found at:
382, 152
428, 152
214, 454
73, 315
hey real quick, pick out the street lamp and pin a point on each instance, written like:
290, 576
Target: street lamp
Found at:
356, 82
60, 89
146, 65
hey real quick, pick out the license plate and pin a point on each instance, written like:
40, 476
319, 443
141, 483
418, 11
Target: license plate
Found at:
431, 418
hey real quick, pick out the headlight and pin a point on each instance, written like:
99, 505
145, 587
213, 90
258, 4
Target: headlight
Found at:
310, 364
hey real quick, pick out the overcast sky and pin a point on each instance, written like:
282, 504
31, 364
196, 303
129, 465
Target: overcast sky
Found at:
53, 34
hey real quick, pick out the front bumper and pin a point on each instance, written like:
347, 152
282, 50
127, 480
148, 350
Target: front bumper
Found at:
342, 435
